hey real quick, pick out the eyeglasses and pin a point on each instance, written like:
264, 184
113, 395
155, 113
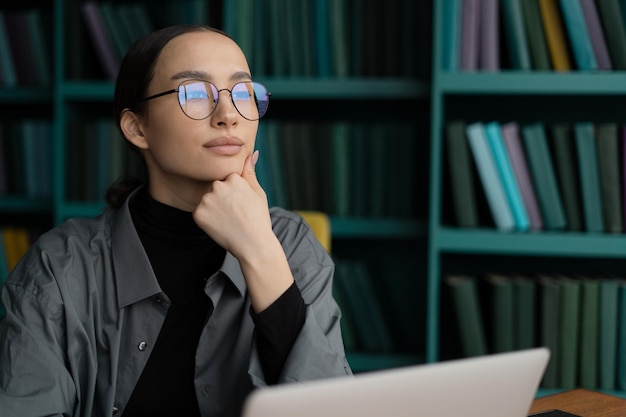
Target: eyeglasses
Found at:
198, 99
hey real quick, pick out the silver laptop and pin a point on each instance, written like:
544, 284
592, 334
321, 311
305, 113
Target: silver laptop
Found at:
499, 385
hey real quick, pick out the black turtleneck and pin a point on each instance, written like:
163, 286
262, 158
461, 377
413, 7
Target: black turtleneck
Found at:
183, 256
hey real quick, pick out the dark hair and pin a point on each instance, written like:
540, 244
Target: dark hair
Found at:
134, 77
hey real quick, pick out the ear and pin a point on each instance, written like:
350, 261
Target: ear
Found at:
131, 125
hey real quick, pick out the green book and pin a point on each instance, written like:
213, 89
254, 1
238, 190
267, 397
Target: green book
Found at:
468, 314
589, 176
607, 146
515, 35
543, 175
525, 312
569, 331
461, 175
537, 44
609, 301
567, 172
550, 324
502, 312
621, 342
348, 316
589, 317
614, 31
340, 134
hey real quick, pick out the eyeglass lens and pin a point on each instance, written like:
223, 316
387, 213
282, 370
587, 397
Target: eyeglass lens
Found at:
198, 99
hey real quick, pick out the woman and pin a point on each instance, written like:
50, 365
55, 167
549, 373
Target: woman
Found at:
187, 292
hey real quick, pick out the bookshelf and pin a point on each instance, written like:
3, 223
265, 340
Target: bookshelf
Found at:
525, 96
80, 91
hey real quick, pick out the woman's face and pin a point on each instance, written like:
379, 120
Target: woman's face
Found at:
184, 156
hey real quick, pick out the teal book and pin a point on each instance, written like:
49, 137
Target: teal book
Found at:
451, 35
609, 310
467, 310
589, 176
578, 35
339, 38
342, 296
589, 323
323, 45
515, 35
275, 159
544, 177
519, 163
341, 160
507, 175
490, 178
569, 331
8, 76
4, 273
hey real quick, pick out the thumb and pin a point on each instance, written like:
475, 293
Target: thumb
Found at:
249, 173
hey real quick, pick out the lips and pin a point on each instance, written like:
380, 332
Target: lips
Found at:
225, 145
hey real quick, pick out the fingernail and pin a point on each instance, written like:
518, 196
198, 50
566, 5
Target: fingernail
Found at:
255, 157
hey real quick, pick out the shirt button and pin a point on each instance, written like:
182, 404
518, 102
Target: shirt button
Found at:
115, 410
142, 346
158, 300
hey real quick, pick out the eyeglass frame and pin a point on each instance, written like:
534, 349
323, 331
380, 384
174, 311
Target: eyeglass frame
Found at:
217, 97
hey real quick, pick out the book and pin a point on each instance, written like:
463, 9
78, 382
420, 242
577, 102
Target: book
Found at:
489, 43
589, 304
451, 42
16, 23
467, 310
623, 164
515, 35
555, 35
607, 338
101, 41
614, 31
470, 38
537, 45
569, 331
596, 34
550, 308
490, 178
507, 175
525, 312
340, 134
589, 176
578, 35
37, 26
621, 341
461, 175
543, 175
513, 144
502, 312
339, 38
4, 273
349, 331
566, 164
608, 151
323, 45
8, 76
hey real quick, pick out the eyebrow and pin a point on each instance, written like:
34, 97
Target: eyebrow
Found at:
202, 75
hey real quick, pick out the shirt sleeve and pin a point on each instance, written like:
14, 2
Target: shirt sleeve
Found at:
277, 327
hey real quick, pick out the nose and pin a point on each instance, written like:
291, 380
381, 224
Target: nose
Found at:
225, 112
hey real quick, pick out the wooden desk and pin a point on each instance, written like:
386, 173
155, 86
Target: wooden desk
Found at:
582, 402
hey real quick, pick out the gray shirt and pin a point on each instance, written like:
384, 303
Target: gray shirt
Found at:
84, 310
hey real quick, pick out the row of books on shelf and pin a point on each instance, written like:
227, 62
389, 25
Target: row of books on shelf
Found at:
280, 38
340, 168
25, 48
14, 242
544, 35
26, 158
537, 176
581, 319
325, 38
113, 27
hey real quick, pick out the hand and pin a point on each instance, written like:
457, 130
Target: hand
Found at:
235, 212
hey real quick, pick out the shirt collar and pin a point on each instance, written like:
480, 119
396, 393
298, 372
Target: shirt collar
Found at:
135, 279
